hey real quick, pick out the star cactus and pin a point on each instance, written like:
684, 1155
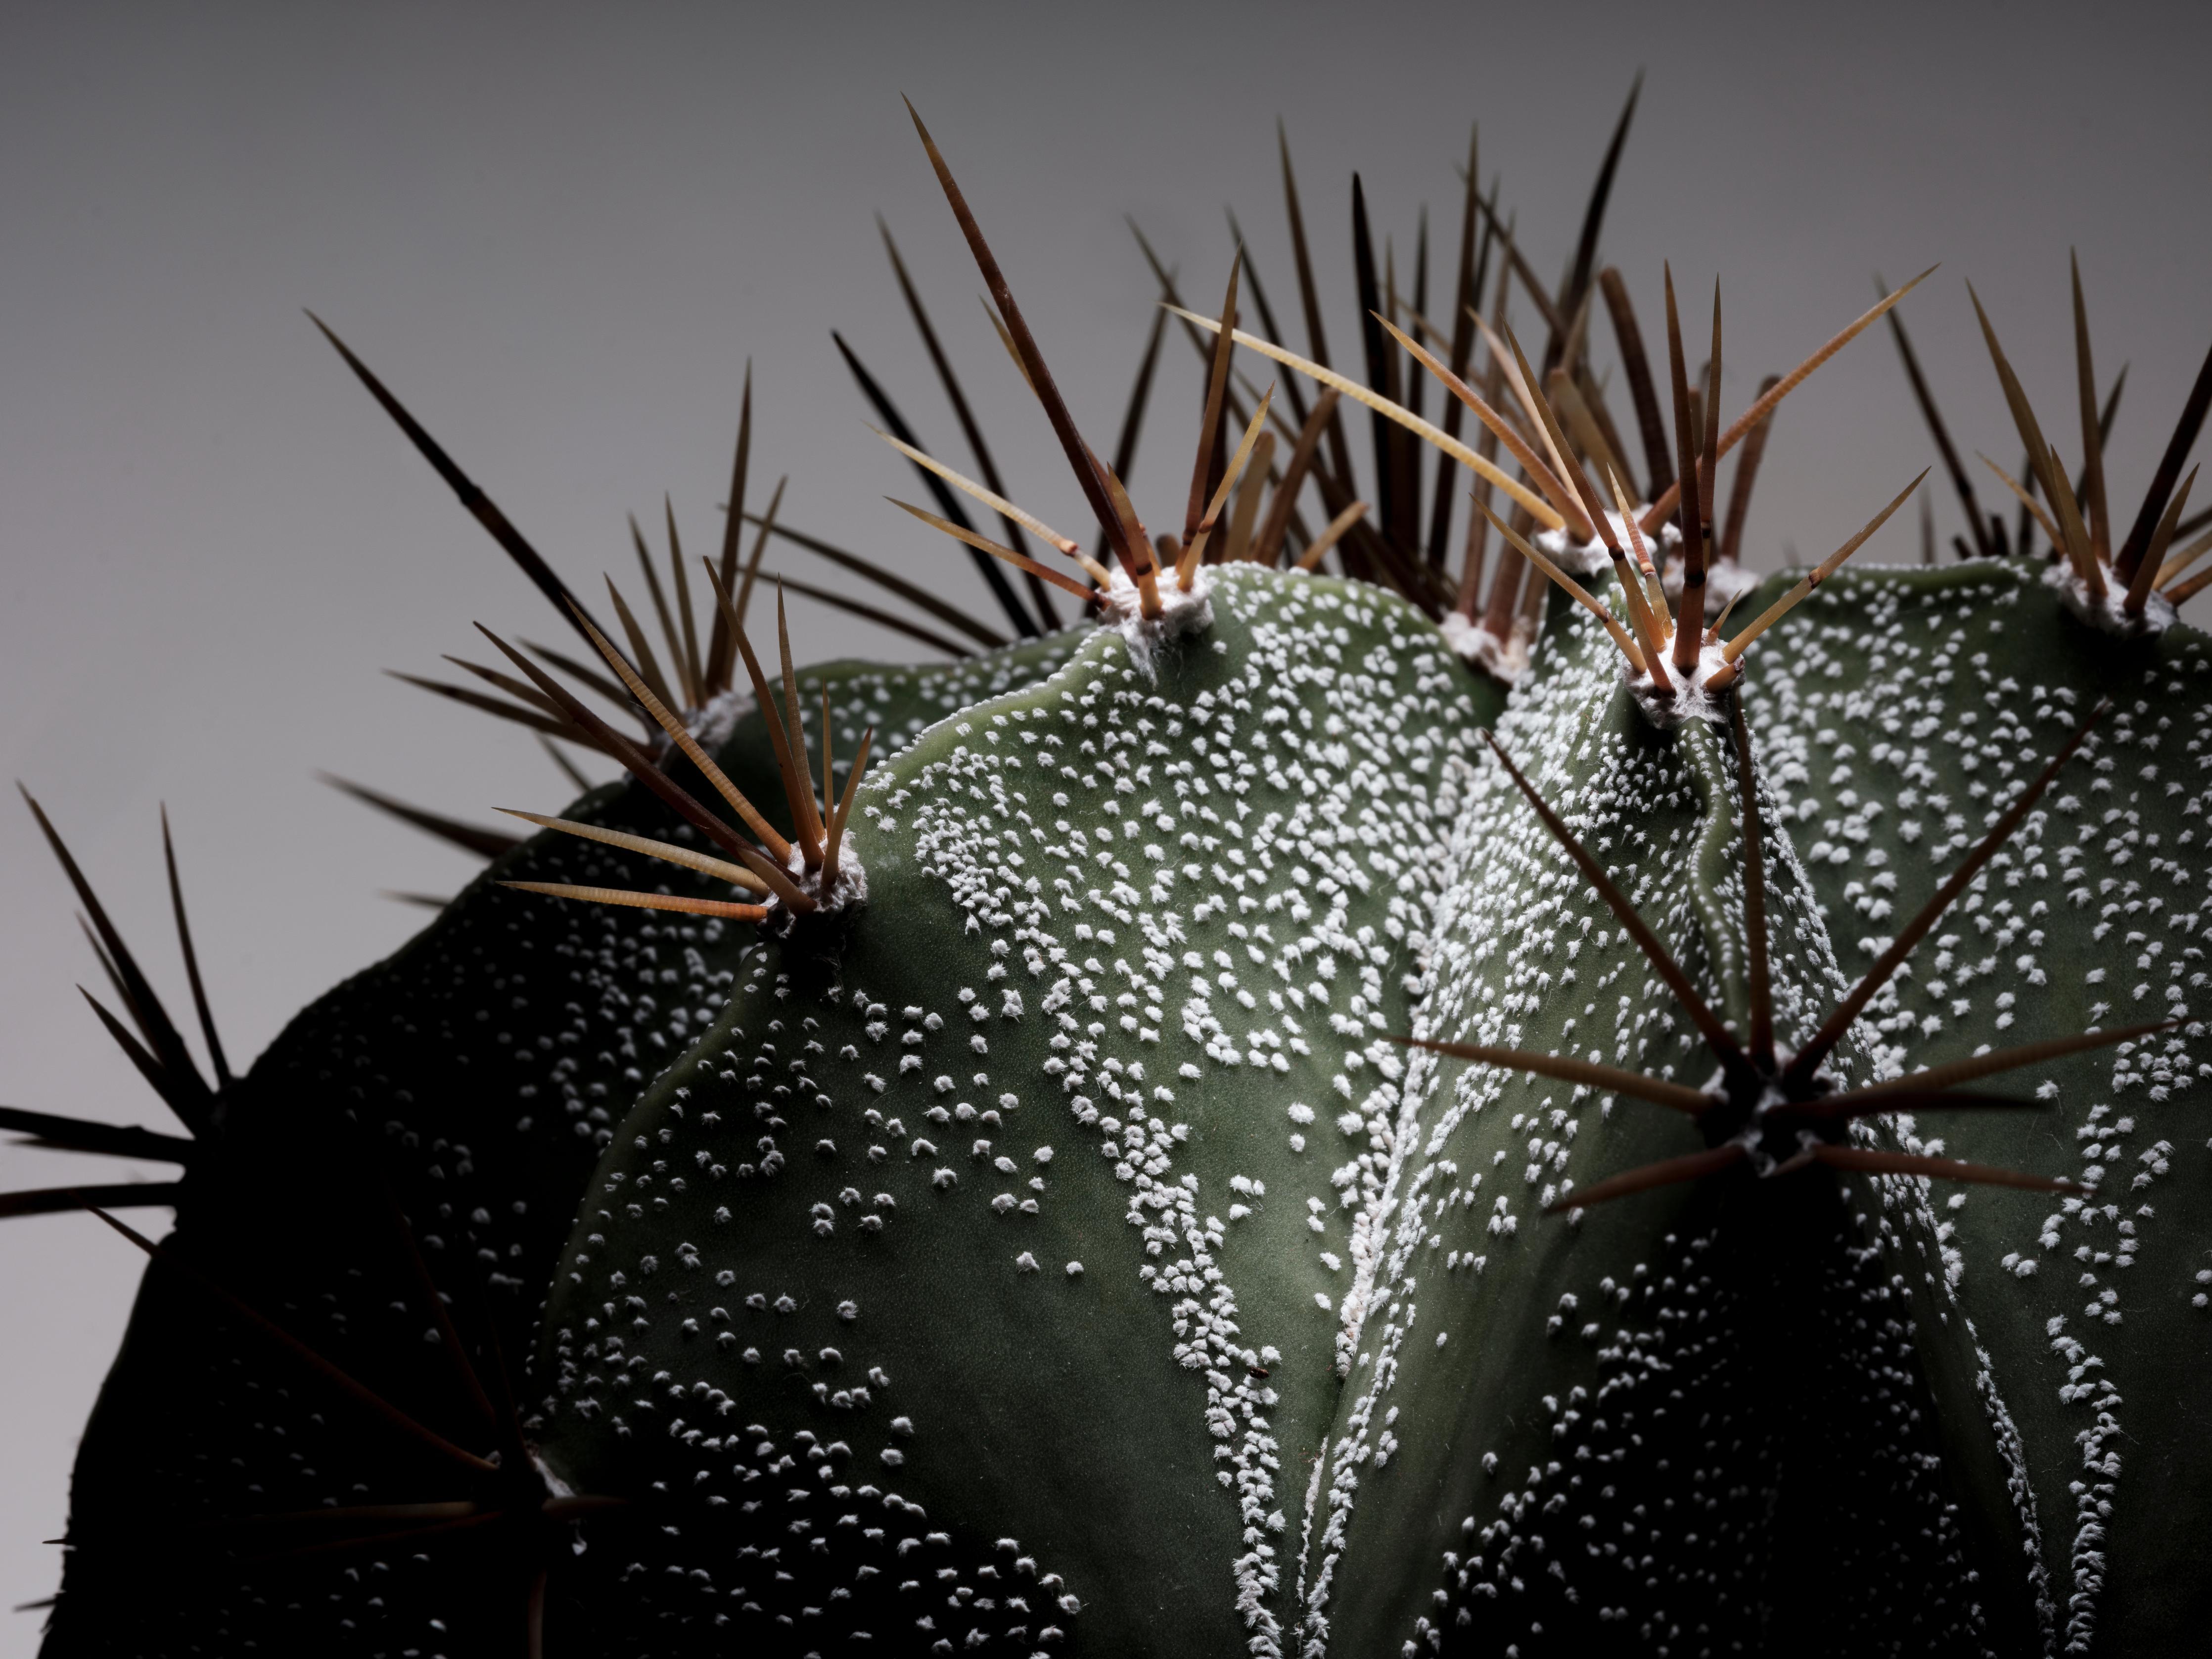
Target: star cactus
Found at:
1398, 1111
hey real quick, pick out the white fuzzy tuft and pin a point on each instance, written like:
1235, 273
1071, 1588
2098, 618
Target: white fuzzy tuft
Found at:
2110, 613
1181, 612
1503, 659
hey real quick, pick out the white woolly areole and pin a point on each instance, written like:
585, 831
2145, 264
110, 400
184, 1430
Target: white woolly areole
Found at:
711, 724
1504, 660
852, 877
1725, 583
2109, 613
1690, 701
850, 894
1180, 614
1593, 558
1579, 558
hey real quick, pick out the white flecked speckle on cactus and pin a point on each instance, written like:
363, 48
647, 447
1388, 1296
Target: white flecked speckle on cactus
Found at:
1136, 907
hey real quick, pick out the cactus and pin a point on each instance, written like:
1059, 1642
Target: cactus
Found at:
1332, 1114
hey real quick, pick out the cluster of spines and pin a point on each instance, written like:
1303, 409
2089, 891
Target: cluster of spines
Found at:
775, 869
1763, 1090
2075, 512
1574, 472
157, 1048
1554, 430
501, 1499
1565, 500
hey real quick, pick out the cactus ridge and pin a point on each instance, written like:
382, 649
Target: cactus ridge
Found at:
1558, 1360
1897, 708
1255, 879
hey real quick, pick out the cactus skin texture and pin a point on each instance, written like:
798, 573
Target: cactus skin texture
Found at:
1067, 1232
1693, 1417
1923, 694
1821, 1412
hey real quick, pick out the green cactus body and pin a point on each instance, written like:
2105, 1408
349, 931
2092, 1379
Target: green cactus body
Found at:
1715, 1383
1901, 707
1052, 1246
1694, 1417
984, 1264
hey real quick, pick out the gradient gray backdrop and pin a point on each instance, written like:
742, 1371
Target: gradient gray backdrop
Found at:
559, 232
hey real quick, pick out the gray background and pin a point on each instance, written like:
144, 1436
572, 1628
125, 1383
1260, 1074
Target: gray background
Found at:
559, 232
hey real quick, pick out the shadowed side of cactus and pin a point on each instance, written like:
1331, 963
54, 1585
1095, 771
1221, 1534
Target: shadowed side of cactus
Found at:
430, 1122
984, 1264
